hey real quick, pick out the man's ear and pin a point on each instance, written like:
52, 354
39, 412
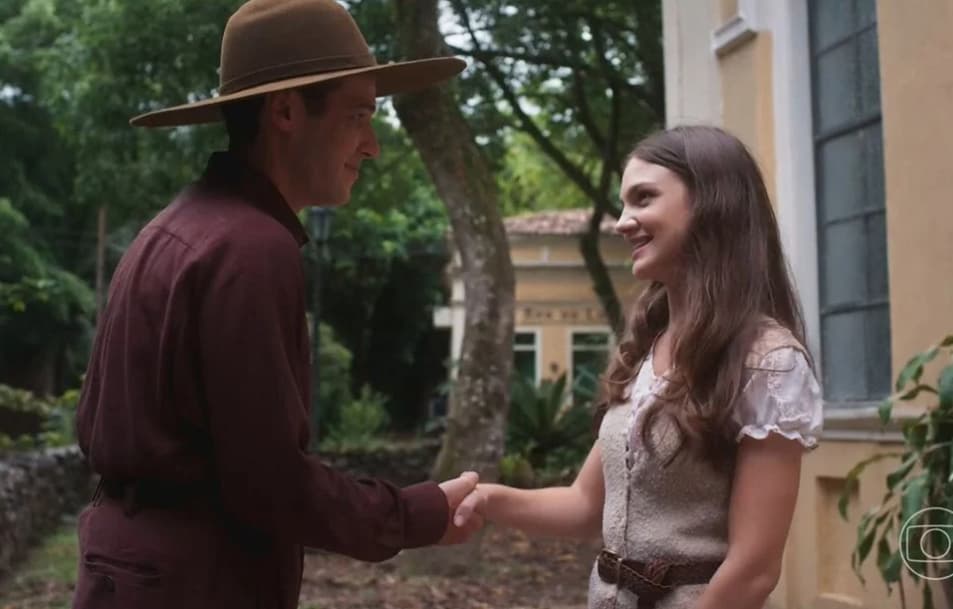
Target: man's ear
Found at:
280, 110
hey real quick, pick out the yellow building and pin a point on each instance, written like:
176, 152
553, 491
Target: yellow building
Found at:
846, 104
560, 325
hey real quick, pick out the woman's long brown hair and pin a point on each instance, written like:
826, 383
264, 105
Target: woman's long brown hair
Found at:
734, 275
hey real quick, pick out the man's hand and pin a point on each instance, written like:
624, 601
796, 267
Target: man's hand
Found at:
461, 526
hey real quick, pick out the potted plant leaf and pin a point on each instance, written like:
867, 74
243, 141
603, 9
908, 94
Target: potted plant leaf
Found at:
912, 526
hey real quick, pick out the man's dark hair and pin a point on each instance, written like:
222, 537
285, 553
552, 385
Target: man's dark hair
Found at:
242, 117
242, 120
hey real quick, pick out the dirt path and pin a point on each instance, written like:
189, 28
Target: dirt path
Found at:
514, 573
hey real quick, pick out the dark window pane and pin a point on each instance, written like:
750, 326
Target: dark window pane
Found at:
873, 166
849, 172
590, 339
843, 342
866, 12
831, 20
877, 284
878, 352
836, 87
524, 364
844, 265
524, 338
869, 63
586, 368
840, 177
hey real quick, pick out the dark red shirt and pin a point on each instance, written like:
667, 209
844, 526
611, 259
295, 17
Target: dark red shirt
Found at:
200, 372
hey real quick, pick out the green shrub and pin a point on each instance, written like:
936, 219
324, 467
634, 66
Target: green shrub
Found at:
28, 422
516, 471
548, 429
361, 422
335, 369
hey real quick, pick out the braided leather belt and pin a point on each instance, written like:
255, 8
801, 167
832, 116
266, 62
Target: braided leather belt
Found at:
652, 581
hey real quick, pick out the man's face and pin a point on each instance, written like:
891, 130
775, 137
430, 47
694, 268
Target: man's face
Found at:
326, 149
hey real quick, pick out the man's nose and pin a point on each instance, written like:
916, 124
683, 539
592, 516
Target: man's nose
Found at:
370, 148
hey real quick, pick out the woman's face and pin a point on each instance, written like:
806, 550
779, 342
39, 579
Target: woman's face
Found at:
655, 218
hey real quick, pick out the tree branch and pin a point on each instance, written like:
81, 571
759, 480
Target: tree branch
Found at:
540, 59
572, 171
579, 93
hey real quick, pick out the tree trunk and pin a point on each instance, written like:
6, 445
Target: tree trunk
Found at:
599, 274
480, 397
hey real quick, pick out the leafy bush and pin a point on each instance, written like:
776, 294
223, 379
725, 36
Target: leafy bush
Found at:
516, 471
546, 429
361, 421
923, 479
28, 422
44, 308
335, 369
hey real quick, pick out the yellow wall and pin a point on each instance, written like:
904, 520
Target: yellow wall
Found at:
727, 9
554, 294
747, 100
817, 565
916, 72
817, 570
916, 55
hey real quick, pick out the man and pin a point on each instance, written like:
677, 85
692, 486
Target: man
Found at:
195, 405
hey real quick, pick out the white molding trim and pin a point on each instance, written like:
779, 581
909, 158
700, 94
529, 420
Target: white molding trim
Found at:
794, 157
729, 36
741, 28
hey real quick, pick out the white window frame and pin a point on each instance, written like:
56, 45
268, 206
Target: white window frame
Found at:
795, 172
536, 331
794, 157
573, 330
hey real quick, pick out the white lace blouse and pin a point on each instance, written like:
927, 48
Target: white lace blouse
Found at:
780, 396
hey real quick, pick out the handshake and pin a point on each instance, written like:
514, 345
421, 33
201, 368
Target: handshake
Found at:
466, 503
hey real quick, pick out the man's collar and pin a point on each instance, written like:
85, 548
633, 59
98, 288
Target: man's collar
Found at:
229, 168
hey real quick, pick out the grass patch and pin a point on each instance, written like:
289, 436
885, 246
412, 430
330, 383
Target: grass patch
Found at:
45, 580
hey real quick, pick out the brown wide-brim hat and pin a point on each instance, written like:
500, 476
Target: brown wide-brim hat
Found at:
273, 45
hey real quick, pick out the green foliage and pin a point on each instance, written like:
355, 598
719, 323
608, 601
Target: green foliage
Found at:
516, 470
388, 252
28, 422
44, 309
923, 477
546, 430
71, 81
335, 389
531, 182
574, 76
361, 423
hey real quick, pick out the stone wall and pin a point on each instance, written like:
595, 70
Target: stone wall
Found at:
36, 490
400, 464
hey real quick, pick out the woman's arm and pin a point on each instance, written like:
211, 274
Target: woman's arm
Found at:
763, 496
570, 511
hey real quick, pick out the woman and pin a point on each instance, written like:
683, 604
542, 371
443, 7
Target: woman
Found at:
708, 403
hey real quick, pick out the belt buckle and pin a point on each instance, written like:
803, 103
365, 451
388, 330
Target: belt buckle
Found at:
614, 565
656, 571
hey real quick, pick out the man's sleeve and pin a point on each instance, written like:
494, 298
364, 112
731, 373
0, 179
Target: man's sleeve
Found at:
251, 316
